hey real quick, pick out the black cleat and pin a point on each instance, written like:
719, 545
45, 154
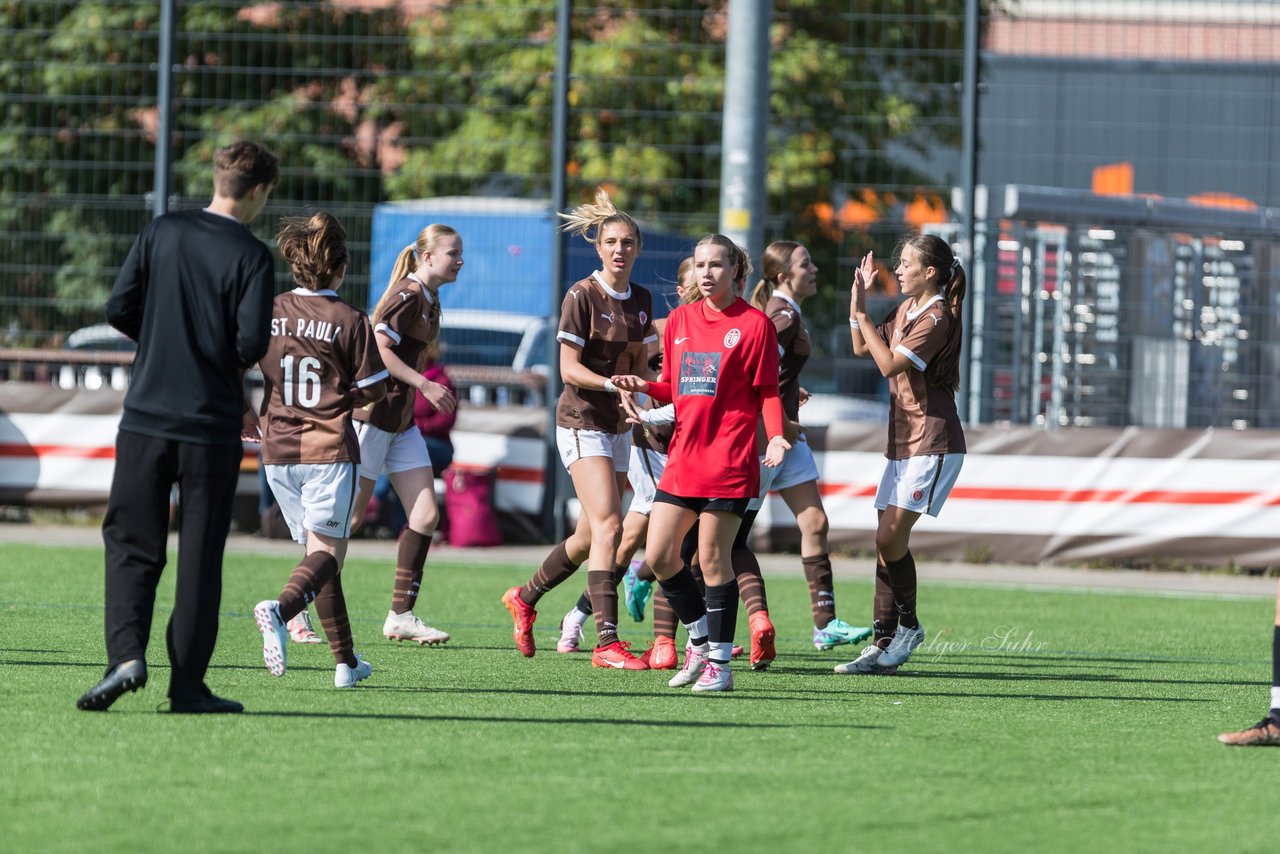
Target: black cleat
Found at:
127, 676
204, 703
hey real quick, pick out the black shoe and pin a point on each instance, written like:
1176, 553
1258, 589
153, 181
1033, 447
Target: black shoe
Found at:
204, 703
127, 676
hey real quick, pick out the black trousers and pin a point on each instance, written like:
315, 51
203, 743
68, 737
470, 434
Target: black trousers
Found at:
135, 535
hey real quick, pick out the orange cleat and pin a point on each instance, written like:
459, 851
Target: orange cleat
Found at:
763, 651
523, 615
618, 656
662, 655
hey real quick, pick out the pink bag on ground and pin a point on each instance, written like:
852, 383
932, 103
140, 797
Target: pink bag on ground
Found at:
468, 502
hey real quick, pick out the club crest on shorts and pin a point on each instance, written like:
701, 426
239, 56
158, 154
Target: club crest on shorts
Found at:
731, 338
917, 495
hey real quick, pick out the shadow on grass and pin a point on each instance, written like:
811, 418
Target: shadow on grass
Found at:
100, 665
1072, 677
628, 722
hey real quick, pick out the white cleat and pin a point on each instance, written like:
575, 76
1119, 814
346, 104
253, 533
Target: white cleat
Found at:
300, 630
347, 677
899, 650
694, 663
407, 627
715, 677
867, 663
274, 635
570, 633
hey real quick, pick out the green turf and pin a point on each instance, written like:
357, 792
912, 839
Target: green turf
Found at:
1096, 730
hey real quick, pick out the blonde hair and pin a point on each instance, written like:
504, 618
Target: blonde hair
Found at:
584, 219
315, 248
737, 257
410, 256
774, 261
684, 292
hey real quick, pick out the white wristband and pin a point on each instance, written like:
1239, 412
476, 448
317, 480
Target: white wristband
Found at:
853, 323
610, 387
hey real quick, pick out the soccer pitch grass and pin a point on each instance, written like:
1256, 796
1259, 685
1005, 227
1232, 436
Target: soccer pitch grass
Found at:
1091, 723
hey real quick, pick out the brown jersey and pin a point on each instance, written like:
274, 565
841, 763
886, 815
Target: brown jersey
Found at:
320, 349
411, 319
922, 411
794, 349
612, 330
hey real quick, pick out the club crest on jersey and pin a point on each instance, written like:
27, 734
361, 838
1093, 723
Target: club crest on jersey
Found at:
731, 338
644, 318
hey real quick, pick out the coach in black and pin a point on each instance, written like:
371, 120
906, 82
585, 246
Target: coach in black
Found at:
195, 292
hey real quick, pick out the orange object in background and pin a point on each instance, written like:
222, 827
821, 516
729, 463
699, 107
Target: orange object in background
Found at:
1113, 179
1222, 200
924, 209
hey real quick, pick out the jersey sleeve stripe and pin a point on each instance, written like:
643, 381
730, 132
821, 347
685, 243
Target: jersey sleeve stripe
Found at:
650, 340
571, 338
387, 331
376, 378
915, 360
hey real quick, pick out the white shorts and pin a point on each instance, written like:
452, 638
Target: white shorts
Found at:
314, 497
919, 484
387, 453
798, 466
646, 470
575, 444
768, 476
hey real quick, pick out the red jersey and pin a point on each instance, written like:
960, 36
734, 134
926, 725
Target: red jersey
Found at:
719, 364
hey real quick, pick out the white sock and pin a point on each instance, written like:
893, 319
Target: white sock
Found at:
578, 616
720, 652
698, 628
1275, 696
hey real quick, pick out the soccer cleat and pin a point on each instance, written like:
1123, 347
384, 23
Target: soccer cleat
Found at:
300, 630
694, 663
523, 616
407, 627
637, 591
124, 677
618, 656
867, 664
1265, 733
736, 651
570, 634
661, 655
763, 651
838, 632
274, 635
715, 677
899, 650
346, 676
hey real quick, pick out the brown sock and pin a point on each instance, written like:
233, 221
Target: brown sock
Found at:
604, 604
555, 569
822, 596
902, 576
331, 608
584, 601
308, 577
411, 557
885, 616
750, 582
664, 619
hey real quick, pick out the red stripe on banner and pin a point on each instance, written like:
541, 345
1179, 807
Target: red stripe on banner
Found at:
19, 449
519, 474
526, 474
1077, 496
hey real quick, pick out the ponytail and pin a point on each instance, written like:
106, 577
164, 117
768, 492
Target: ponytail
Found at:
409, 259
314, 247
589, 220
